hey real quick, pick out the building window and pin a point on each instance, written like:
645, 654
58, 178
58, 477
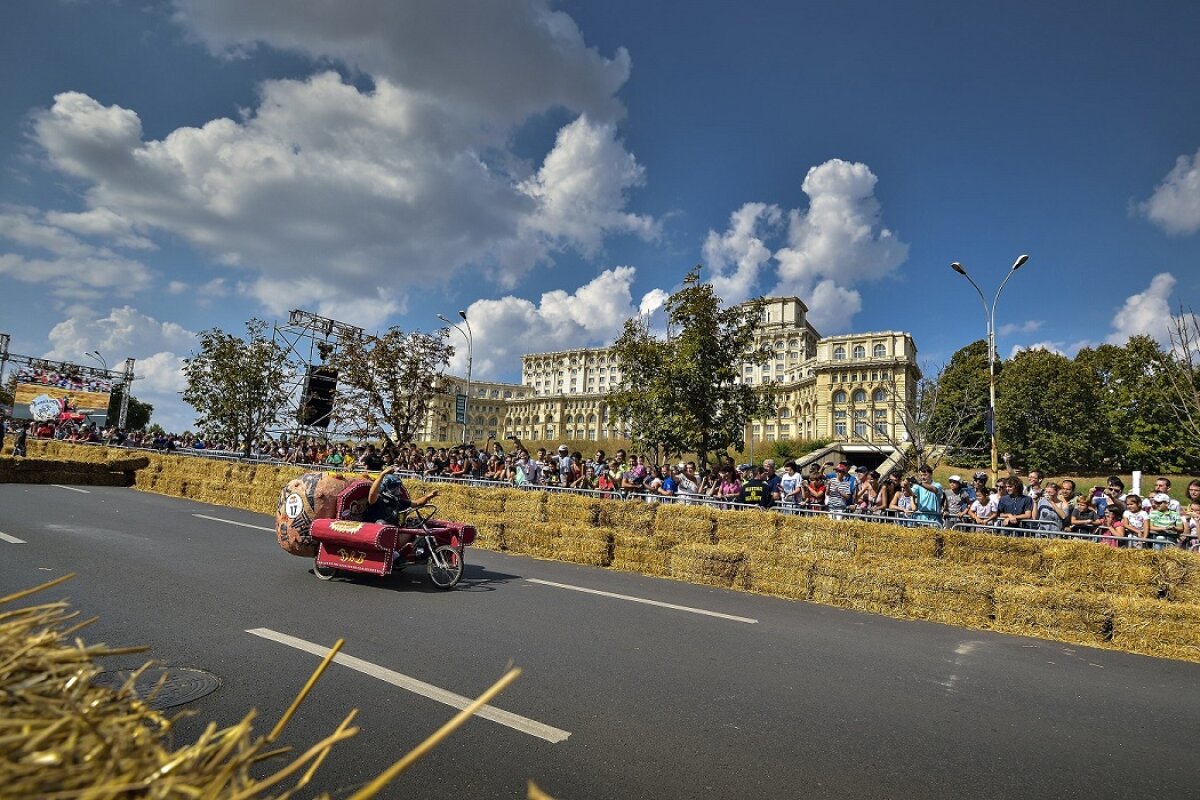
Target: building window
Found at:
839, 396
756, 428
879, 396
860, 430
880, 351
840, 429
839, 415
839, 353
880, 413
881, 428
860, 396
784, 430
860, 351
784, 413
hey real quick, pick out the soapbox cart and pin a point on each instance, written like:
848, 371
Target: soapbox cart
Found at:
349, 545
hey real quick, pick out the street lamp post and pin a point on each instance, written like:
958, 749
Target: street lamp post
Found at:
470, 337
95, 356
990, 317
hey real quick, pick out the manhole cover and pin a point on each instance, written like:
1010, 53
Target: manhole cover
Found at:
183, 685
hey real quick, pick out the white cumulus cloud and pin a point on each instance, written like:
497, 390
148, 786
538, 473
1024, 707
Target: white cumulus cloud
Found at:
1147, 313
1175, 204
737, 256
508, 327
821, 254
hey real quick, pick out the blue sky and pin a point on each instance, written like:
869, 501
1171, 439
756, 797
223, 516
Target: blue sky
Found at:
554, 168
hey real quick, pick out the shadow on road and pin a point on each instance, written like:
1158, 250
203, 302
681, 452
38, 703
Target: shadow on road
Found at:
414, 579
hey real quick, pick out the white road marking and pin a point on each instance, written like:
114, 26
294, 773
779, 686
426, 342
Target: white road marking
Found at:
233, 522
70, 488
644, 601
11, 539
427, 690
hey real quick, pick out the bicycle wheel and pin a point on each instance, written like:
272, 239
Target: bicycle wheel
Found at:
324, 573
445, 566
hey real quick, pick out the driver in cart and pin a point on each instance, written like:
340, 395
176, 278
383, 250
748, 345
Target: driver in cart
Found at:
388, 503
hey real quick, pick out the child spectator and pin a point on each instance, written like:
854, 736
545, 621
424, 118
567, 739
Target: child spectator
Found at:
1113, 529
1135, 519
1083, 517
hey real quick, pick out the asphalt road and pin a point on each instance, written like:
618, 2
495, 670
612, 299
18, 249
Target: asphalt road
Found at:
619, 699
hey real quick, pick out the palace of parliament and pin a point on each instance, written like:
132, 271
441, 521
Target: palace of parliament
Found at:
854, 387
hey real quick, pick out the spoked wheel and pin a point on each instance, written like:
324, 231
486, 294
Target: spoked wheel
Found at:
323, 572
445, 566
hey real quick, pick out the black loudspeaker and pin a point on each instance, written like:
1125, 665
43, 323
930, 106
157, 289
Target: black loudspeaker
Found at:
316, 404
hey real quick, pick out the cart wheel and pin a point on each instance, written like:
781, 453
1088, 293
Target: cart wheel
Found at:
322, 572
445, 566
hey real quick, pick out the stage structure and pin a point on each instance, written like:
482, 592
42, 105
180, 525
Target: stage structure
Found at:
48, 390
310, 342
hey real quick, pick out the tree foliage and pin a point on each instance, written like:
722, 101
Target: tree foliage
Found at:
137, 416
388, 381
237, 386
683, 393
1048, 412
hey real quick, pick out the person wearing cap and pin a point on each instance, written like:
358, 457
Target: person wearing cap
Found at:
565, 466
1161, 486
1163, 524
958, 500
839, 492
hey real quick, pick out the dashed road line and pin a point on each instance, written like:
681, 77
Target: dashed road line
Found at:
11, 539
507, 718
233, 522
644, 601
70, 488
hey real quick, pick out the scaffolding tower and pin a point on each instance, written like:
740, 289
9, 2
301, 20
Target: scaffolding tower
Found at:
309, 342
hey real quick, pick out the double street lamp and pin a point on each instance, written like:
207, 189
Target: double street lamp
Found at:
95, 356
470, 337
990, 318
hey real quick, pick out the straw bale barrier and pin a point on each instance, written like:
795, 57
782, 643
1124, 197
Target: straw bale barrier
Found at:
747, 528
1136, 600
712, 564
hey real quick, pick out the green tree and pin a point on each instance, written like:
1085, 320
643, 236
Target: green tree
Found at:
388, 381
1048, 412
683, 393
137, 416
237, 386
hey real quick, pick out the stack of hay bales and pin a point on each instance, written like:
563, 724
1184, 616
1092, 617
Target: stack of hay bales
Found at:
637, 543
484, 508
1082, 617
570, 535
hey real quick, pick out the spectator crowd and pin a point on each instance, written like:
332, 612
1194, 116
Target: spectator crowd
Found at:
1104, 513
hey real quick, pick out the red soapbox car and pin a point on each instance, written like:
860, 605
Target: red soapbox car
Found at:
350, 545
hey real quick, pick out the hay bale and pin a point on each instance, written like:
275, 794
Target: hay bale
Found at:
711, 564
1176, 573
1087, 567
985, 548
747, 528
950, 598
823, 538
578, 510
524, 506
580, 545
489, 535
780, 574
1157, 628
645, 553
855, 585
897, 542
1077, 617
628, 515
686, 523
487, 503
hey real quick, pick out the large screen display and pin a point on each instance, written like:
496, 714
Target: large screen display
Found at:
47, 395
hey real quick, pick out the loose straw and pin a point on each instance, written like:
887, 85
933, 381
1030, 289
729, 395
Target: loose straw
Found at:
279, 726
414, 755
